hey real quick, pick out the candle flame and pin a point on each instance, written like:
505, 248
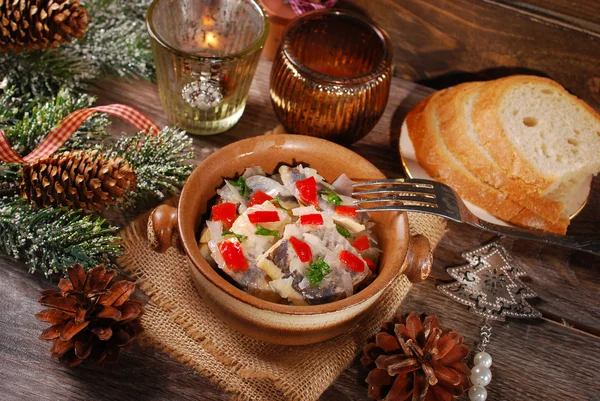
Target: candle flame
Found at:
211, 40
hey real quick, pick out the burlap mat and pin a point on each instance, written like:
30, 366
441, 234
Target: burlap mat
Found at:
178, 322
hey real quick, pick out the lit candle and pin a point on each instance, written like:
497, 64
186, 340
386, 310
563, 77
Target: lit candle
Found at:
211, 40
208, 20
207, 41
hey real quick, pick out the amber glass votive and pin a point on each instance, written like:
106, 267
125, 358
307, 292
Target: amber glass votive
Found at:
331, 76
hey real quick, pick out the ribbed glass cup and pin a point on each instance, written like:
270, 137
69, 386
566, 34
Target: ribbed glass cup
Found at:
331, 76
206, 53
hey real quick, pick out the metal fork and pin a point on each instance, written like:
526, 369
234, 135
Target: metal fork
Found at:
424, 196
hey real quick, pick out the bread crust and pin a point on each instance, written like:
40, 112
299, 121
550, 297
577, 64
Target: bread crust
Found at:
439, 164
453, 128
496, 141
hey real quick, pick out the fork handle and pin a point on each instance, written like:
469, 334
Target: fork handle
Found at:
584, 244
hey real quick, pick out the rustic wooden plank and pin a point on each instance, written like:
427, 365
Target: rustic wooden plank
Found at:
579, 14
531, 361
443, 42
550, 354
28, 373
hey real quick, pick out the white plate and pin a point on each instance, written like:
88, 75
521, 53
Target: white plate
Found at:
414, 170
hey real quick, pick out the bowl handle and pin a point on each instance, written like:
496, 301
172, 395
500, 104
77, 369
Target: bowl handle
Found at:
163, 230
419, 259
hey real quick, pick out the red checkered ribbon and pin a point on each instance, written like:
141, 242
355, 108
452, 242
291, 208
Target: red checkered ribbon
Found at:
67, 127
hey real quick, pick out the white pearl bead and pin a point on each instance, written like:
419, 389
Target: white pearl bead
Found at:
477, 393
480, 375
483, 358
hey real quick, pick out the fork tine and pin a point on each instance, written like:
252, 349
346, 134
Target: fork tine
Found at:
398, 181
413, 199
400, 208
428, 192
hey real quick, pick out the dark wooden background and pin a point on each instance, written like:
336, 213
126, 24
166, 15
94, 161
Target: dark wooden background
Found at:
439, 43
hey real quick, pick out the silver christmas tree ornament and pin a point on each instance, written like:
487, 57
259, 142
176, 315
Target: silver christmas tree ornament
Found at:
489, 284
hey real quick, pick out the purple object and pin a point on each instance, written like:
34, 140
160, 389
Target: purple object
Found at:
303, 6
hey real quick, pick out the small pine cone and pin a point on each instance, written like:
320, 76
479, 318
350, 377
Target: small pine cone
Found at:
40, 24
78, 179
90, 319
414, 358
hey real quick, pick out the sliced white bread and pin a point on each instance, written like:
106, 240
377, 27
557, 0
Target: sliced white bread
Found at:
540, 135
455, 108
433, 155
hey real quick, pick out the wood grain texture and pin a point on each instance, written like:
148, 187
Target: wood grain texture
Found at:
546, 359
578, 14
440, 43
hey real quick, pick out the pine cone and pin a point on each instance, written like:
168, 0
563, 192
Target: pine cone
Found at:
413, 358
40, 24
89, 318
81, 180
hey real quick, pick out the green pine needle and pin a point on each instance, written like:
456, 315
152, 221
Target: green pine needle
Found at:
52, 239
26, 122
116, 43
160, 162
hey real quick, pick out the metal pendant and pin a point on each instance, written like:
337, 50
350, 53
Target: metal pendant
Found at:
204, 93
490, 284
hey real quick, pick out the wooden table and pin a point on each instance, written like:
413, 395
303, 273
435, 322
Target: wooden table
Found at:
554, 358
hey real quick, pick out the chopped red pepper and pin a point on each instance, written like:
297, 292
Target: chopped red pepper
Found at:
225, 213
263, 217
259, 198
371, 264
307, 190
233, 255
352, 261
302, 249
361, 243
346, 211
315, 219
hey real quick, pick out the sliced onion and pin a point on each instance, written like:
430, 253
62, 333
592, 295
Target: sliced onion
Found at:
310, 172
252, 171
316, 244
216, 255
346, 283
343, 185
291, 230
235, 194
305, 283
216, 230
267, 185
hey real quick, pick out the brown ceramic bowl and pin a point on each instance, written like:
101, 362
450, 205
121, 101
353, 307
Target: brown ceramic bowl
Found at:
264, 320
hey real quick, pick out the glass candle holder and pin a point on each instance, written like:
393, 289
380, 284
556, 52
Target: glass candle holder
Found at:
206, 53
331, 76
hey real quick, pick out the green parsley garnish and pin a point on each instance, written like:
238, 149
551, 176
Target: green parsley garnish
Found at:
277, 202
239, 237
317, 271
242, 187
343, 232
260, 230
332, 197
